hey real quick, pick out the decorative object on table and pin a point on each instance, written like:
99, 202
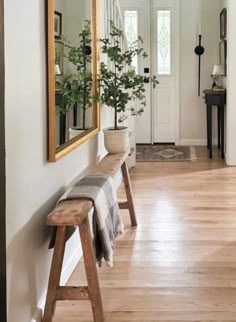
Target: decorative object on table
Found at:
121, 85
116, 141
223, 24
74, 131
59, 58
57, 24
57, 70
156, 153
199, 50
223, 56
216, 76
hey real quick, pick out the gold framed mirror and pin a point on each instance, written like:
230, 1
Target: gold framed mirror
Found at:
72, 38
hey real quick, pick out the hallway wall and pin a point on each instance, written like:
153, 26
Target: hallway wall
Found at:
3, 287
33, 184
192, 106
231, 81
224, 4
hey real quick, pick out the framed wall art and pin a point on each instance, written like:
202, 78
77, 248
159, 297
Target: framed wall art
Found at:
223, 56
223, 24
57, 24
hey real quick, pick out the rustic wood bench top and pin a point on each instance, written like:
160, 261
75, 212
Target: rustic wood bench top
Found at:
111, 163
73, 212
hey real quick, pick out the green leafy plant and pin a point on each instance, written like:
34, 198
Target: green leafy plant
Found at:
76, 88
119, 83
63, 89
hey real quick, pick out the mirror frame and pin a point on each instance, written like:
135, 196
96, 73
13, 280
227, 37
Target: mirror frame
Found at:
56, 153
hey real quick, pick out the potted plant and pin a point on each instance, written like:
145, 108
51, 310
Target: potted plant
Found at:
80, 57
120, 85
63, 101
76, 88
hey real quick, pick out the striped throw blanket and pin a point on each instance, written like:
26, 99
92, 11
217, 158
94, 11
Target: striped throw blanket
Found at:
107, 223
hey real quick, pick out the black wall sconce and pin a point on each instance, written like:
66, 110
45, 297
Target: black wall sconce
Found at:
199, 50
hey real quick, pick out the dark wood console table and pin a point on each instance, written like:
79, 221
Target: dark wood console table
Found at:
215, 98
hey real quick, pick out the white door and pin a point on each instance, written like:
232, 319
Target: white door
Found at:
158, 25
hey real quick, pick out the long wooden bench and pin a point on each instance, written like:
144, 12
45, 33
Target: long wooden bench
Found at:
75, 212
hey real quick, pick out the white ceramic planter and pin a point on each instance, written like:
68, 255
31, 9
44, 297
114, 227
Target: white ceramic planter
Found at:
73, 132
116, 141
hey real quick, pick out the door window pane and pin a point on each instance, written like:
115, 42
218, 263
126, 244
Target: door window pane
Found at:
131, 30
163, 42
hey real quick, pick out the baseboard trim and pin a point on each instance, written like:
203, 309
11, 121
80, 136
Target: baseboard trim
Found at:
197, 142
228, 162
71, 265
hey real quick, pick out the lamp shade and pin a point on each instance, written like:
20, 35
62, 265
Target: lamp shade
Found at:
57, 70
217, 70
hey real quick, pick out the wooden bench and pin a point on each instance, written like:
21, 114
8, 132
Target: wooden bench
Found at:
75, 212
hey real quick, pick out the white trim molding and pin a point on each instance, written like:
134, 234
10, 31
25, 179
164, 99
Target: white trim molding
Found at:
65, 275
202, 142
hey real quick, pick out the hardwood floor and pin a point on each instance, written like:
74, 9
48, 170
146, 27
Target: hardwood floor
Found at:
180, 262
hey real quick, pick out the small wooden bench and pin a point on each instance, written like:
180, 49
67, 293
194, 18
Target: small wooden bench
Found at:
75, 212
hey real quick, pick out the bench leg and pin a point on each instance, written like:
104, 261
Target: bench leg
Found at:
55, 274
128, 190
91, 271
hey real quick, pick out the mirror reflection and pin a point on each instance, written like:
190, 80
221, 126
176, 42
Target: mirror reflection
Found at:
73, 70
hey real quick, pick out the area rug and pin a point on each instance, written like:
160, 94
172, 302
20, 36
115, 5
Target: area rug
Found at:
156, 153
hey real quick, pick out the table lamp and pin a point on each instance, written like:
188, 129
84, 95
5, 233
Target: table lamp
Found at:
216, 76
57, 70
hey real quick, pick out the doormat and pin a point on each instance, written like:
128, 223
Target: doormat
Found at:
156, 153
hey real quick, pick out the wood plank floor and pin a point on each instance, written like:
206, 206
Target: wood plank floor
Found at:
180, 262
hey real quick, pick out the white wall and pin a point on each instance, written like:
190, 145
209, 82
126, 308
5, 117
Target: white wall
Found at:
231, 81
75, 16
60, 6
33, 184
192, 107
224, 4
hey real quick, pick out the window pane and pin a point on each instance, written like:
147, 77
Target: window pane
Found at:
131, 30
163, 42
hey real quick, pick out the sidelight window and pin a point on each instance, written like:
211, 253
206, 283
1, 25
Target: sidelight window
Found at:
164, 42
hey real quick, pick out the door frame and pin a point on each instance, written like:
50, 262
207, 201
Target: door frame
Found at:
177, 73
175, 63
3, 273
136, 5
